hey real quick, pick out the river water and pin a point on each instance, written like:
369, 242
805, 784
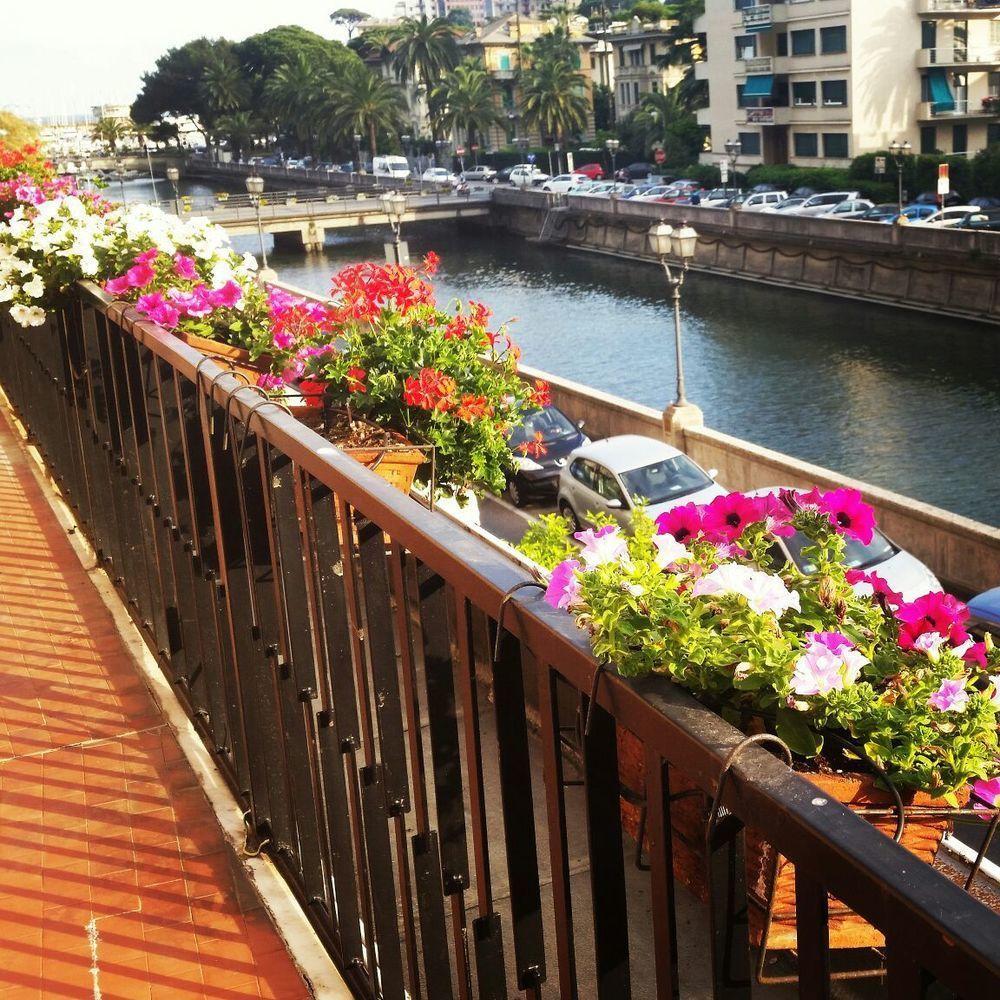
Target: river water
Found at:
901, 399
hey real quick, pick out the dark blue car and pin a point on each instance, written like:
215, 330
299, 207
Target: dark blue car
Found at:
541, 444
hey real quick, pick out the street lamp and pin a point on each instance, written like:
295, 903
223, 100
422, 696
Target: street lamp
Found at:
357, 152
120, 175
899, 151
612, 146
174, 175
255, 188
394, 205
676, 246
733, 149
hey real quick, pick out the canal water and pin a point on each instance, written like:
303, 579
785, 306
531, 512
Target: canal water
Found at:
899, 398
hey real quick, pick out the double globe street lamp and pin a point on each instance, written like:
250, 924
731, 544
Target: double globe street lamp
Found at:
733, 149
899, 151
394, 205
255, 188
675, 248
612, 146
174, 175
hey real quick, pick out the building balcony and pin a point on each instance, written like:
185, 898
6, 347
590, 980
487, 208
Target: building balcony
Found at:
800, 114
957, 110
762, 17
961, 9
754, 66
959, 57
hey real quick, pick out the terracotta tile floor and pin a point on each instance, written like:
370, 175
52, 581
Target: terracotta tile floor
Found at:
108, 846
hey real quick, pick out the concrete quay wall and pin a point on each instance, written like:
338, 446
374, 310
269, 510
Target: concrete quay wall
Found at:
955, 273
964, 554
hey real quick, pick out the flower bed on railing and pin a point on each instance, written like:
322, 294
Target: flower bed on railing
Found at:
380, 349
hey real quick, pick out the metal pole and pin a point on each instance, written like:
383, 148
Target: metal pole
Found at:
675, 284
260, 232
177, 200
899, 180
149, 163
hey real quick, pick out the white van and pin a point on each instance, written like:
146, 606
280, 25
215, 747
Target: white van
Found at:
394, 167
762, 200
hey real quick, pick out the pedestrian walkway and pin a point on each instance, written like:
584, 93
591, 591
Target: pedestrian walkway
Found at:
115, 879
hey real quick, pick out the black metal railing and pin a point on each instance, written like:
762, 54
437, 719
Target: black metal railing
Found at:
333, 642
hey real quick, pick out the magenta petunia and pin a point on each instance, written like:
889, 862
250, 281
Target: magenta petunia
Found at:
868, 584
147, 256
229, 296
988, 791
849, 513
117, 286
563, 590
140, 275
934, 612
728, 516
185, 267
683, 522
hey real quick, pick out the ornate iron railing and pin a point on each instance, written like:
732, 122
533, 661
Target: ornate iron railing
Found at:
334, 641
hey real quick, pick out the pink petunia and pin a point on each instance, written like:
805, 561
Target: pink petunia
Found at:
988, 791
184, 267
141, 275
116, 286
846, 510
268, 381
728, 516
147, 256
563, 590
229, 296
683, 522
869, 584
934, 612
951, 696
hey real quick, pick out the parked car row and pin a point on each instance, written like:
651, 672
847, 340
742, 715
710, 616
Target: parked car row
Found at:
615, 475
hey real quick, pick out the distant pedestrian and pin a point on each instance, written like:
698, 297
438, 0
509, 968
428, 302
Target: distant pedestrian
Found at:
696, 198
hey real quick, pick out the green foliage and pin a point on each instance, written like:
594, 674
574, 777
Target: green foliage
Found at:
548, 540
362, 102
553, 98
17, 131
464, 101
424, 49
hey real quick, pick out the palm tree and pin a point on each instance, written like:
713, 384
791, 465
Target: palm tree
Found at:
223, 86
464, 100
376, 43
110, 131
240, 128
292, 95
362, 102
553, 99
658, 110
423, 49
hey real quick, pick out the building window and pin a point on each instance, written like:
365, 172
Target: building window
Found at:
994, 32
740, 99
833, 40
635, 92
992, 133
928, 34
804, 43
928, 139
835, 145
804, 94
656, 87
782, 43
635, 57
746, 47
805, 144
993, 83
750, 141
834, 93
960, 138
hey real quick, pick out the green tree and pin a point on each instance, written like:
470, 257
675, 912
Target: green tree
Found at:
464, 101
424, 50
461, 18
110, 131
240, 129
349, 17
375, 43
16, 131
553, 99
362, 102
292, 97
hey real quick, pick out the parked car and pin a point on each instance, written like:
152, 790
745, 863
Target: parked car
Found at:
985, 201
654, 192
638, 171
597, 189
592, 171
886, 212
984, 220
526, 175
758, 201
915, 213
763, 188
783, 206
947, 218
438, 175
503, 175
719, 197
933, 198
820, 203
561, 183
901, 570
480, 173
852, 208
613, 475
803, 192
984, 612
541, 443
394, 168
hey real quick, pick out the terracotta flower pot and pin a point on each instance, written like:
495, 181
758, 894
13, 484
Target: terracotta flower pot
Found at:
227, 355
689, 812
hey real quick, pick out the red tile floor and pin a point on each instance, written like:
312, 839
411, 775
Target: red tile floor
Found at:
115, 881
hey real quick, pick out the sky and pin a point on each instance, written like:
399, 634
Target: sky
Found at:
79, 55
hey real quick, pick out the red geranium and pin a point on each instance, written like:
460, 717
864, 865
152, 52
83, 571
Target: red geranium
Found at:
473, 407
356, 380
429, 390
541, 395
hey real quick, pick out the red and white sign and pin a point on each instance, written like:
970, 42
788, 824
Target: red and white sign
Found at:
944, 182
659, 155
460, 151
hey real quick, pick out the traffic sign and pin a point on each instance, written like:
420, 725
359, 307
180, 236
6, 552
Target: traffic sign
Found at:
659, 155
530, 157
944, 181
460, 151
879, 165
723, 170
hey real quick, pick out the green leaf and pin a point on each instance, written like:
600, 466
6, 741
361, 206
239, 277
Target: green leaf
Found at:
793, 727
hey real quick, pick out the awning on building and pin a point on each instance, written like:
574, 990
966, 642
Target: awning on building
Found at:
759, 86
941, 95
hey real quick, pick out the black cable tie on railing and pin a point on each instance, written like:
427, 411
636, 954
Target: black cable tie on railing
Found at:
504, 601
601, 670
727, 766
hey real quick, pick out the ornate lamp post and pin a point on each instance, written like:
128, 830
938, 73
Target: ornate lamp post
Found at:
357, 152
174, 175
120, 176
675, 247
733, 149
612, 146
394, 205
255, 188
899, 152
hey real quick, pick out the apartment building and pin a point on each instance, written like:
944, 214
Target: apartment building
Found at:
630, 59
818, 82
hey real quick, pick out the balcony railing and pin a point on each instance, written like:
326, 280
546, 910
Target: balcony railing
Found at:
330, 638
758, 64
956, 55
758, 18
957, 109
960, 8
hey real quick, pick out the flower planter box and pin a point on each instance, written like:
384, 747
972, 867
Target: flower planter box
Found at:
233, 357
689, 813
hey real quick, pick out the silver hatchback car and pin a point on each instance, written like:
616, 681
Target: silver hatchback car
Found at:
613, 475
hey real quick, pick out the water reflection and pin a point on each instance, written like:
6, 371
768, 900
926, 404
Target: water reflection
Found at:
898, 398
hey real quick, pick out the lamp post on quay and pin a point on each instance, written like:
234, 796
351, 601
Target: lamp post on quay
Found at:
255, 188
357, 152
174, 175
612, 146
899, 152
733, 149
675, 249
394, 205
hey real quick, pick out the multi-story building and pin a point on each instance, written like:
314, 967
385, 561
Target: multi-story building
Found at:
480, 11
813, 82
630, 59
502, 45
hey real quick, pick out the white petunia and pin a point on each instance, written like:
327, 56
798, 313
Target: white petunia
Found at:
763, 592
